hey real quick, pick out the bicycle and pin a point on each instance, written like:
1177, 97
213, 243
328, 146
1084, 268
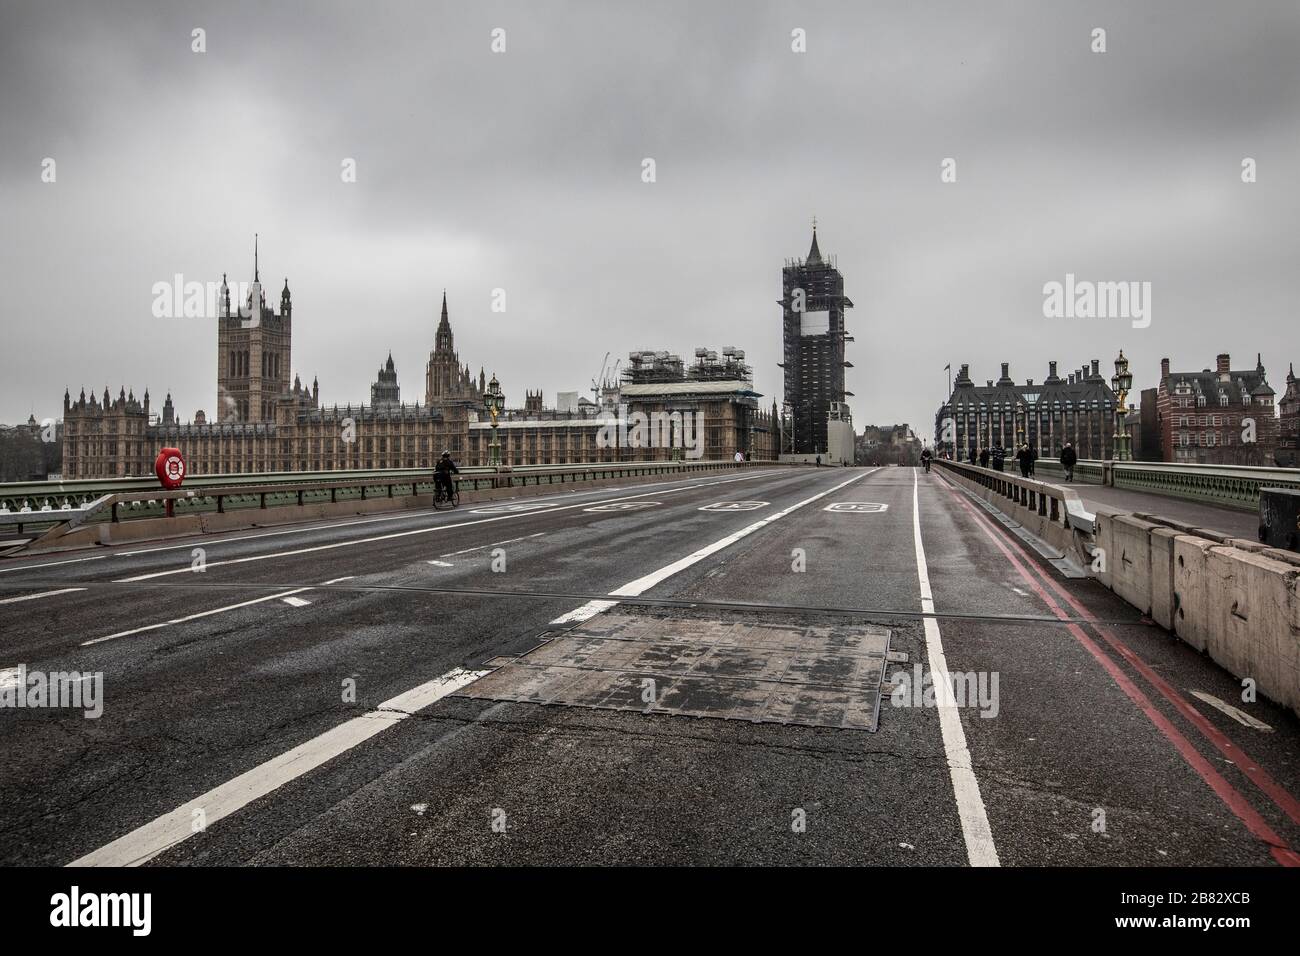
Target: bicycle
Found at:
441, 497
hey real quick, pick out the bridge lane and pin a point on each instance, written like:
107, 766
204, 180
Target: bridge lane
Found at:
205, 700
604, 786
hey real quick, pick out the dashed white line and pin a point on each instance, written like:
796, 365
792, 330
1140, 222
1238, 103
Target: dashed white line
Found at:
494, 544
143, 844
188, 569
42, 594
192, 617
980, 849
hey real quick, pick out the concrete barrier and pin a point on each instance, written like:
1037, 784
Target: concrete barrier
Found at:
1234, 599
1162, 577
1254, 620
1129, 560
1192, 620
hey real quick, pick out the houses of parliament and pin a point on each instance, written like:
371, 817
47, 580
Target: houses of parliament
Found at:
265, 422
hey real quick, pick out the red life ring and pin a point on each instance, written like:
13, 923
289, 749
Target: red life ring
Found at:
170, 468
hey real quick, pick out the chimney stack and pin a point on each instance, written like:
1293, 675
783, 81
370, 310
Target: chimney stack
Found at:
1225, 363
1164, 368
1096, 367
1052, 372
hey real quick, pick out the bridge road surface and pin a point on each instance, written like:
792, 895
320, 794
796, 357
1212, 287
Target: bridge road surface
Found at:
225, 737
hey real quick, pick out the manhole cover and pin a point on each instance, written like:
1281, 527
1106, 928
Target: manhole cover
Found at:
816, 675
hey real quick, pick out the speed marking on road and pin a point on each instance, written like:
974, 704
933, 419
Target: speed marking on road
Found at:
735, 506
511, 509
857, 507
625, 506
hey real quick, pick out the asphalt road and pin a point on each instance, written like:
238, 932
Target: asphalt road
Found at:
299, 701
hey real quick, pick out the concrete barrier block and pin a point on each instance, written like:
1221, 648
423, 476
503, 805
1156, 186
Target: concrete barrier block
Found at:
1192, 588
1129, 563
1256, 615
1104, 538
1162, 576
1247, 544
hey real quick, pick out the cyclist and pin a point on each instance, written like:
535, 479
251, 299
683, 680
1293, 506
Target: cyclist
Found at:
442, 473
925, 458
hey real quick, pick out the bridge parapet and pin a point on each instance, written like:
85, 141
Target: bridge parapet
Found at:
1232, 598
134, 509
1234, 486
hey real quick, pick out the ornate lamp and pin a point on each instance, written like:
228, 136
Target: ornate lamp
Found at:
495, 402
1121, 382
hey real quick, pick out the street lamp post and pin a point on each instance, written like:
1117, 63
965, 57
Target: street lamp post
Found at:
1121, 382
495, 402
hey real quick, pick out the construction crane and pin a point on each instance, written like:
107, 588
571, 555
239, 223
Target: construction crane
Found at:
599, 380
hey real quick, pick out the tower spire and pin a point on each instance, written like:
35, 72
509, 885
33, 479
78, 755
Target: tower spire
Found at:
814, 254
255, 275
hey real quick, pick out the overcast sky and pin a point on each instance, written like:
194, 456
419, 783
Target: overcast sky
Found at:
522, 170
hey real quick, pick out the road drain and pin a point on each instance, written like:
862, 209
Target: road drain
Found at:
826, 675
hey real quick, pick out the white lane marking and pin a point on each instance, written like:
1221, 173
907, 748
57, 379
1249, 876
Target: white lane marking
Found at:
646, 582
980, 849
188, 569
52, 564
412, 513
329, 525
513, 509
42, 594
1240, 716
192, 617
588, 610
623, 506
442, 564
494, 544
143, 844
735, 506
296, 601
857, 507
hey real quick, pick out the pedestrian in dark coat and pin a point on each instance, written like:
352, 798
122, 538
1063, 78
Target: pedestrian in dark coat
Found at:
999, 457
984, 457
1068, 460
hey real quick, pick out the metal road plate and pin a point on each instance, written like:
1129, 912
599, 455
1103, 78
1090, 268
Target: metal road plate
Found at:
818, 676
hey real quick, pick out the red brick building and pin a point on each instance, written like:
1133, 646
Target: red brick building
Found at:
1219, 416
1288, 434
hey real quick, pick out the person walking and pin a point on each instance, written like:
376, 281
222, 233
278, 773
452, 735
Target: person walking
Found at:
1068, 460
1022, 459
1033, 457
984, 457
999, 457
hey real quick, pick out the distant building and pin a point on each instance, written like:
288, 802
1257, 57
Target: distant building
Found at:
385, 390
253, 347
1079, 408
719, 393
888, 445
265, 424
1147, 447
1218, 416
1288, 424
813, 304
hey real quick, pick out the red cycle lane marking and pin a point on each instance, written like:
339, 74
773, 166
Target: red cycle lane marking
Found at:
1231, 797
